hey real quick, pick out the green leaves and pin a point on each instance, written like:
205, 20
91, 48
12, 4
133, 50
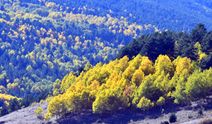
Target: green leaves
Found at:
109, 101
145, 103
199, 84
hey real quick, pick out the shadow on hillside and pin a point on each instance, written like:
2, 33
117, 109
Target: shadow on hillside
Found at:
122, 117
126, 116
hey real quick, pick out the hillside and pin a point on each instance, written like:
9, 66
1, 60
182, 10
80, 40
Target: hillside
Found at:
166, 14
184, 116
135, 84
41, 41
141, 83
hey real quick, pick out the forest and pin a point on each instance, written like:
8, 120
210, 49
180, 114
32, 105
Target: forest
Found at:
165, 14
136, 83
89, 55
40, 43
196, 45
155, 70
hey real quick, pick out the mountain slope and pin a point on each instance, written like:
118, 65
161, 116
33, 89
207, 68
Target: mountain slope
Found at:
166, 14
41, 43
43, 40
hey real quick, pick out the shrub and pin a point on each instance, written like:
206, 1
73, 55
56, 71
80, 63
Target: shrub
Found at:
145, 103
199, 84
39, 112
9, 103
47, 116
200, 112
164, 122
172, 118
161, 101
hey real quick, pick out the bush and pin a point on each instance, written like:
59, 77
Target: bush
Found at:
39, 112
9, 103
164, 122
145, 103
200, 112
161, 101
172, 118
199, 84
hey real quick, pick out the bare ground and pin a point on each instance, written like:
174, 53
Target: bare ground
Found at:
185, 115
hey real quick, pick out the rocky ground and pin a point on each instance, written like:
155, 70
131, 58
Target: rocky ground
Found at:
23, 116
186, 115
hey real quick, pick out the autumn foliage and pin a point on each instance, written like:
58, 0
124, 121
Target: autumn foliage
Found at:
137, 83
9, 103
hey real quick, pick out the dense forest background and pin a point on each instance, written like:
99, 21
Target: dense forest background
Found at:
41, 41
154, 71
171, 14
196, 45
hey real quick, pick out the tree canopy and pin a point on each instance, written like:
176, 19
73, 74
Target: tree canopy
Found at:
125, 83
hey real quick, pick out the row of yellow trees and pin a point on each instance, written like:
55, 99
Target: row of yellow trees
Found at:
138, 83
9, 103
